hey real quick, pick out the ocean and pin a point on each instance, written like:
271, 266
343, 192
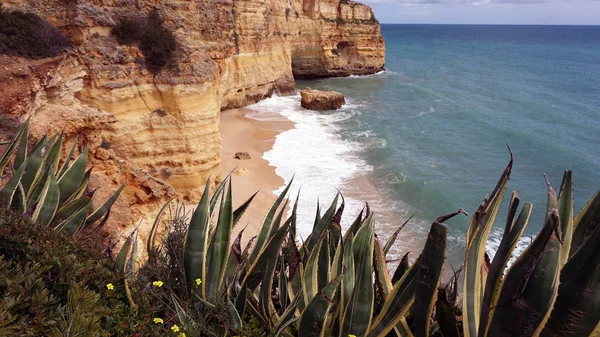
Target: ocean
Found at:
429, 135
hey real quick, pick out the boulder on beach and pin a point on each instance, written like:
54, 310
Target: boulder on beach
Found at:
242, 155
321, 100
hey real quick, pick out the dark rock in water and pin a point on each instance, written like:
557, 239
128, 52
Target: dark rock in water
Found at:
321, 100
242, 155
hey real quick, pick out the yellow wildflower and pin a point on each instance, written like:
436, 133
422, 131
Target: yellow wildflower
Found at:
157, 283
182, 334
110, 286
198, 281
158, 320
175, 328
351, 335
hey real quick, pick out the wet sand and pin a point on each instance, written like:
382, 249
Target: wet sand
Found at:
242, 134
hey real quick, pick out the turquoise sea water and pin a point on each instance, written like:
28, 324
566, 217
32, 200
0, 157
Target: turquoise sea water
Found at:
429, 134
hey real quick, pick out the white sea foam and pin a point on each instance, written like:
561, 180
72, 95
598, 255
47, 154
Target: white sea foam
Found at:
314, 153
379, 73
494, 242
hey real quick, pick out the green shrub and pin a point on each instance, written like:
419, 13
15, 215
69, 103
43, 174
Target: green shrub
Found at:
156, 42
128, 31
49, 283
28, 35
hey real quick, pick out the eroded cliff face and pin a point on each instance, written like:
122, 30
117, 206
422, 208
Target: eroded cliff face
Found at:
159, 133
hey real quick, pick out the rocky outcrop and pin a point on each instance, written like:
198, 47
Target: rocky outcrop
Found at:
321, 100
159, 133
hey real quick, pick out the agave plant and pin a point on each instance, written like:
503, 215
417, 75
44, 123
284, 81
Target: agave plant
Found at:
324, 285
51, 194
552, 288
338, 283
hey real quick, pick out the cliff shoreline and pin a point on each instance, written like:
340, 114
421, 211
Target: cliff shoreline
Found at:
159, 133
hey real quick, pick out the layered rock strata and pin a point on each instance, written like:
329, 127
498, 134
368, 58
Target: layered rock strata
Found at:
158, 133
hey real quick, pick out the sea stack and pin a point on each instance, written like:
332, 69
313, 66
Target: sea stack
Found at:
321, 100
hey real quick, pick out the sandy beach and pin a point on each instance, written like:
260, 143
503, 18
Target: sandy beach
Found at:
242, 134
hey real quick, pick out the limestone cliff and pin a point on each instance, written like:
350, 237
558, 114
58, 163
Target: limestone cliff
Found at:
159, 132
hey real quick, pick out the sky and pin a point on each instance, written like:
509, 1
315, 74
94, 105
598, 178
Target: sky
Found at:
544, 12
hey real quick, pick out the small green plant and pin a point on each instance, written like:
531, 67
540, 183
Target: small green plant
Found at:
28, 35
156, 42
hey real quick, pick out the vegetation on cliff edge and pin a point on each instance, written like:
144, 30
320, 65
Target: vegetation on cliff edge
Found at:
27, 35
156, 42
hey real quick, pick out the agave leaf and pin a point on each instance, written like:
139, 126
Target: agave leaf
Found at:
265, 228
357, 317
349, 276
72, 178
324, 262
586, 222
69, 209
282, 286
515, 313
444, 315
270, 265
277, 221
477, 236
565, 212
355, 226
182, 315
267, 256
510, 238
577, 309
311, 272
396, 305
9, 190
402, 328
381, 269
152, 235
383, 283
65, 165
19, 202
22, 137
195, 251
35, 164
73, 224
48, 204
281, 328
23, 129
83, 185
135, 255
293, 216
314, 316
311, 241
390, 241
338, 255
401, 269
240, 300
219, 246
33, 195
234, 316
218, 192
542, 288
265, 299
121, 261
237, 214
100, 211
429, 274
53, 157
